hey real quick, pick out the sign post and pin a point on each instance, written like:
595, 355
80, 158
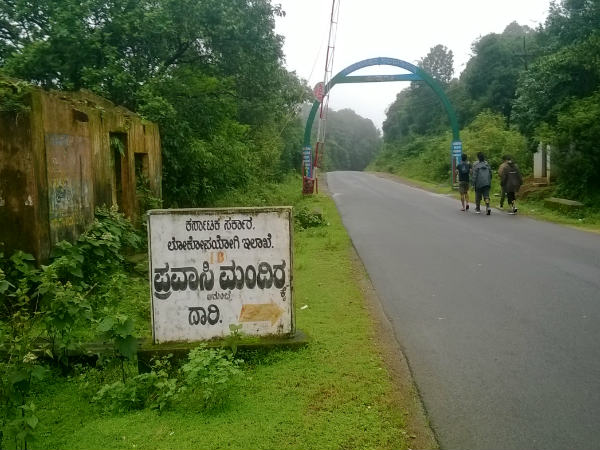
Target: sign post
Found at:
455, 158
212, 268
308, 182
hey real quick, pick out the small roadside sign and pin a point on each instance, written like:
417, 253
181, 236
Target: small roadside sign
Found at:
319, 91
456, 148
456, 153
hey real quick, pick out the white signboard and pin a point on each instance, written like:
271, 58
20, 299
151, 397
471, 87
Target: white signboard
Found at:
211, 268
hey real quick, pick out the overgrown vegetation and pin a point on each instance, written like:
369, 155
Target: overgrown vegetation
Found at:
331, 394
427, 158
542, 84
202, 383
210, 73
13, 96
46, 313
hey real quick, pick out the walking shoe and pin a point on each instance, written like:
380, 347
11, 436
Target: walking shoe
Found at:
488, 212
477, 211
515, 210
467, 208
462, 209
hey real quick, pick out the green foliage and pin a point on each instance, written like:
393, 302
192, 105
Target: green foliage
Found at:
19, 346
45, 313
210, 73
542, 81
439, 63
552, 81
23, 426
65, 309
328, 384
234, 337
154, 390
491, 74
99, 251
427, 158
146, 198
489, 134
117, 145
418, 110
119, 329
204, 382
575, 152
304, 217
13, 96
570, 21
207, 377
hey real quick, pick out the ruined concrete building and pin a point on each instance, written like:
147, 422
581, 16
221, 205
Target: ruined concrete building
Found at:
61, 156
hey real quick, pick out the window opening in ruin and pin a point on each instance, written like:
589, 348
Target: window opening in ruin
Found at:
141, 166
80, 116
118, 146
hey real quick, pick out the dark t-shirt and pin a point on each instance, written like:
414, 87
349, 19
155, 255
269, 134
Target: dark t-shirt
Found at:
464, 169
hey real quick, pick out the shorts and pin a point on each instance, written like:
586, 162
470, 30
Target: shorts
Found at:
482, 192
463, 187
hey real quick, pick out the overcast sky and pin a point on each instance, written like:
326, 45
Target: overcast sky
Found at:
390, 28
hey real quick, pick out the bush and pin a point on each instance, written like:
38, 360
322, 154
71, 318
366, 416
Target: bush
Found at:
575, 150
204, 382
427, 158
207, 377
307, 218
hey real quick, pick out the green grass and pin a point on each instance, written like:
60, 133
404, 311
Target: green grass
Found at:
333, 394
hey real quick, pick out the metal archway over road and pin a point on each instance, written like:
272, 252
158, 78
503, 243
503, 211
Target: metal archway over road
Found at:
310, 161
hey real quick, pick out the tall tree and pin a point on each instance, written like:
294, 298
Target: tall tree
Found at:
491, 75
557, 97
417, 109
439, 63
210, 72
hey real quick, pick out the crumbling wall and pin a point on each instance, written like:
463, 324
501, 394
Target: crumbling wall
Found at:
69, 169
57, 165
18, 193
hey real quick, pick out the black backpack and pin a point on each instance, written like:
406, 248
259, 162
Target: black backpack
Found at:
464, 168
484, 176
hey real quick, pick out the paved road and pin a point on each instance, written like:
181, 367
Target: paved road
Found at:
499, 316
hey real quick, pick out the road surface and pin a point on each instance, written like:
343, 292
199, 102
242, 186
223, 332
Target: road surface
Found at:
499, 315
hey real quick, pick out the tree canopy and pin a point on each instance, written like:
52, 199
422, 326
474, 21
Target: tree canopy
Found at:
544, 83
209, 72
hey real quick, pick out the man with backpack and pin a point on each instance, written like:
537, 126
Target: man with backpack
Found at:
512, 181
464, 170
482, 181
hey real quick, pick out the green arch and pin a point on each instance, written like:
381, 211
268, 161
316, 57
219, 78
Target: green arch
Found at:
416, 74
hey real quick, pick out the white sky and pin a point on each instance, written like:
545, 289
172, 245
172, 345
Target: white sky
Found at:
390, 28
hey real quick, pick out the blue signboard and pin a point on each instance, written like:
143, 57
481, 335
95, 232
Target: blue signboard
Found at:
307, 161
456, 148
455, 159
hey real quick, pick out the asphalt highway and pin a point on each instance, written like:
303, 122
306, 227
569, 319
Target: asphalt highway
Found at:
498, 316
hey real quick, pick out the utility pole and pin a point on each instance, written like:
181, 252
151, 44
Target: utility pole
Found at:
322, 128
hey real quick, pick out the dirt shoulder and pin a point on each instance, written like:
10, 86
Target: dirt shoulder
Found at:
405, 394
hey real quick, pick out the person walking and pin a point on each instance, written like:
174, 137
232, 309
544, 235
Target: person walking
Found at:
464, 171
482, 182
512, 181
503, 166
